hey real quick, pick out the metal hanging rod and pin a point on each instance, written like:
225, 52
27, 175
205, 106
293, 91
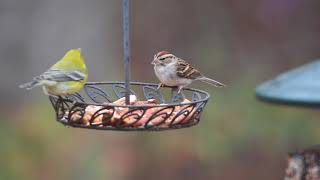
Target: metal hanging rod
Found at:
126, 48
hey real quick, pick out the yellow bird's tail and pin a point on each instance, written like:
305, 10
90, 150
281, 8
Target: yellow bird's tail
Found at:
30, 85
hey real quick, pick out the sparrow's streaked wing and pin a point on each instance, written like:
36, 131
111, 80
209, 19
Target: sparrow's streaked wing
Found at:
185, 70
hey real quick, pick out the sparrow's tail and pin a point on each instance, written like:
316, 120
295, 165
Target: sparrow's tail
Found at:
211, 81
30, 85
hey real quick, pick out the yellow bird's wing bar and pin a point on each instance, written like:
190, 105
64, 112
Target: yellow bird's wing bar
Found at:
61, 75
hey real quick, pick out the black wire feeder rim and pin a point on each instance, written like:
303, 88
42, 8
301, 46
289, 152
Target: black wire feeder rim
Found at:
168, 115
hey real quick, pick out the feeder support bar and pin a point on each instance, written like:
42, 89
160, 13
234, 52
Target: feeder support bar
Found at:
126, 48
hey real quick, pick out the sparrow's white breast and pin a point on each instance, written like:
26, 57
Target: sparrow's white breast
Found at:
168, 75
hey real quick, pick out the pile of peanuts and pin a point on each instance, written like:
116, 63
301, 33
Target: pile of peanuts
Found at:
102, 115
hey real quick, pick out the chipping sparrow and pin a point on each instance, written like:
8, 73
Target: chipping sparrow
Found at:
173, 71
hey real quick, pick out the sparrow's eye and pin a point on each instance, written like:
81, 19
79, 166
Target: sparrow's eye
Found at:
161, 59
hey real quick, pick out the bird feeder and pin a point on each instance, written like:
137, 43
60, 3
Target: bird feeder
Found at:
299, 86
130, 106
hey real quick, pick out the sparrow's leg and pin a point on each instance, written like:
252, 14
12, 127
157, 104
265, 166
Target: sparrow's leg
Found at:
180, 92
179, 89
179, 96
159, 86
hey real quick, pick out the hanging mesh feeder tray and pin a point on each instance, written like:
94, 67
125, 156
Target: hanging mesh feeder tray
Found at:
130, 106
102, 106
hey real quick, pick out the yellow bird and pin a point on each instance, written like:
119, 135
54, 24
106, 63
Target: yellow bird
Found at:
66, 77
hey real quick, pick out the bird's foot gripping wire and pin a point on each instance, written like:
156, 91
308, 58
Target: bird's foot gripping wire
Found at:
177, 95
159, 86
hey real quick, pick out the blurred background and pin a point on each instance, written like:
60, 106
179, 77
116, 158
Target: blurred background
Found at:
240, 43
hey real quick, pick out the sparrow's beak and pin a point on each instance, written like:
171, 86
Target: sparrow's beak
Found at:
153, 62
